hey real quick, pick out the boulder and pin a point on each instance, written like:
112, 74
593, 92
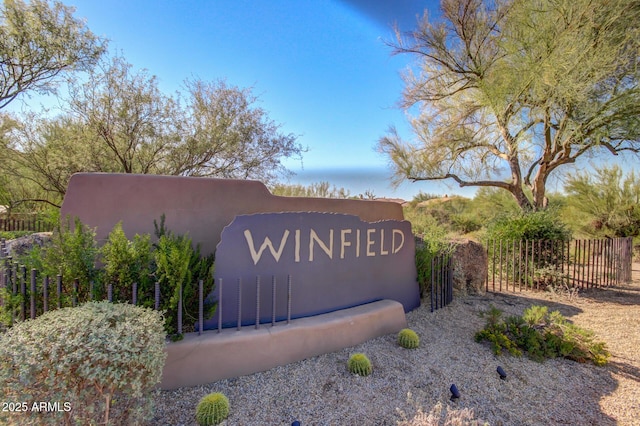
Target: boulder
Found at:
470, 267
22, 245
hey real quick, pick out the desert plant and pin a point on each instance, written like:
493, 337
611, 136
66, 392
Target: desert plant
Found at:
101, 358
408, 339
359, 364
542, 335
212, 409
127, 261
72, 253
178, 268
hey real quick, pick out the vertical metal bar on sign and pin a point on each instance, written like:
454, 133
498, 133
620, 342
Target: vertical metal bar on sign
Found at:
560, 258
513, 266
59, 289
450, 279
596, 263
32, 296
180, 308
526, 263
578, 264
589, 268
75, 292
609, 262
601, 262
617, 260
584, 264
506, 264
156, 295
45, 293
288, 299
519, 267
219, 305
552, 261
23, 293
442, 281
500, 259
533, 265
575, 260
257, 302
200, 306
433, 281
486, 278
273, 300
239, 303
493, 269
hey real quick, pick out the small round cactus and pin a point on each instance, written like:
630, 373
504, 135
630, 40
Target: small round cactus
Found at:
212, 409
408, 339
359, 364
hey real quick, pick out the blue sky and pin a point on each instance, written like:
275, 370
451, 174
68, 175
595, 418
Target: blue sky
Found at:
320, 68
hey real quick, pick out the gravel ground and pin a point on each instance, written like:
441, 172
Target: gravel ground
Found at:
405, 384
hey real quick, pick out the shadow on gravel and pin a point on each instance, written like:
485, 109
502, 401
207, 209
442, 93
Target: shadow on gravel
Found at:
618, 295
516, 303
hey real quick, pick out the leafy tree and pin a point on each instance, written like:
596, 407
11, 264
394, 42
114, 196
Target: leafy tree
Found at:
508, 91
125, 123
119, 121
39, 42
224, 134
610, 200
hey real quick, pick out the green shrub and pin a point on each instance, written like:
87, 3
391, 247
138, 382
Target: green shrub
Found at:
408, 339
72, 253
538, 225
212, 409
359, 364
103, 359
517, 233
179, 266
127, 262
541, 335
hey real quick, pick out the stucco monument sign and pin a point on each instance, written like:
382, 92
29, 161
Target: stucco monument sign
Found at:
351, 264
334, 261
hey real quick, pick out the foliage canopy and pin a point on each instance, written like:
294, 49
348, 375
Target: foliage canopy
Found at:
508, 91
40, 41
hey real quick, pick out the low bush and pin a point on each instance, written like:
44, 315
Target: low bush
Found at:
99, 361
541, 335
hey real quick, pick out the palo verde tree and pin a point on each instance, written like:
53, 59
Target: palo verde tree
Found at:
39, 41
508, 91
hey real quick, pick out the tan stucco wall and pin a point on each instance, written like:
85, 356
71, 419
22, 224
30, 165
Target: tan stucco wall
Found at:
212, 356
201, 207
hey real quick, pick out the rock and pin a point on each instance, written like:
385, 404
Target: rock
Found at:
22, 245
469, 267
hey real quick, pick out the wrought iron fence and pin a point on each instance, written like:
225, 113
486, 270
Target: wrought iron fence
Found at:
538, 264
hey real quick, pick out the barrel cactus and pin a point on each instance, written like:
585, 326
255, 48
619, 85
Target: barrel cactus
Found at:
408, 339
212, 409
359, 364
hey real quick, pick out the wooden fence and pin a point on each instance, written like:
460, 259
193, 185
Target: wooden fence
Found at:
517, 265
32, 224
